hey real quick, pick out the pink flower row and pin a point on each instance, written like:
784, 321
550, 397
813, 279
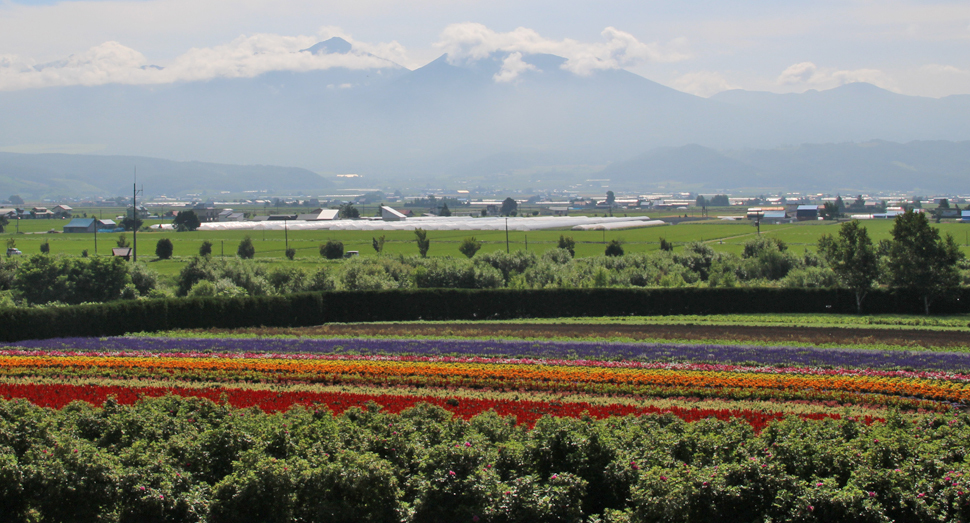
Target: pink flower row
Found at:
813, 371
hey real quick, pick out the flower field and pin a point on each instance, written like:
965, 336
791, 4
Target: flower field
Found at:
474, 373
422, 430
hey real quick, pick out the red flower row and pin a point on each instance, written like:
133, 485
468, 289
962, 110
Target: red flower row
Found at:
525, 411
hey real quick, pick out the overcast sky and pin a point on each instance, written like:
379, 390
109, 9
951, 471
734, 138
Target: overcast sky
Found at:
703, 47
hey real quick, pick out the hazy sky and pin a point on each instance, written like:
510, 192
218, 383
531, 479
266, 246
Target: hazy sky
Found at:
908, 46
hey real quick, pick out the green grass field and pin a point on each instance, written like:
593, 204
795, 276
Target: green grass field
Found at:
271, 245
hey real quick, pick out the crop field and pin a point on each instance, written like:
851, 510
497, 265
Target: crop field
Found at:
602, 419
271, 245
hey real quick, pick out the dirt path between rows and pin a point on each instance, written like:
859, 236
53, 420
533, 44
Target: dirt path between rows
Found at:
814, 335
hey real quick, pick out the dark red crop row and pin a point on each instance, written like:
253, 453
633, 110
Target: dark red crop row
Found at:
58, 395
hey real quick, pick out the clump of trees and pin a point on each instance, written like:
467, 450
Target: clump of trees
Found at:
46, 279
186, 221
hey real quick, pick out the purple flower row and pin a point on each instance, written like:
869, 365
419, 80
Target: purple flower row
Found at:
662, 352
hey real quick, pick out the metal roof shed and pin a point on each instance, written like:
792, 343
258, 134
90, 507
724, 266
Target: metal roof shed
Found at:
81, 225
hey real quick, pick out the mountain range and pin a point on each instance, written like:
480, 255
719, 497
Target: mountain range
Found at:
469, 118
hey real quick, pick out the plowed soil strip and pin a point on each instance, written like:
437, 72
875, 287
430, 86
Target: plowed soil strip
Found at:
739, 333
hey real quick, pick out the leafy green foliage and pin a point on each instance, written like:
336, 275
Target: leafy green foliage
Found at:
131, 224
332, 250
43, 279
509, 206
421, 237
853, 258
206, 248
567, 243
918, 259
186, 221
164, 248
349, 212
178, 459
469, 246
246, 249
614, 248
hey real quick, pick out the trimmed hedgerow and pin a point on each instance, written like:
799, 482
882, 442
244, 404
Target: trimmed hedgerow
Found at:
302, 309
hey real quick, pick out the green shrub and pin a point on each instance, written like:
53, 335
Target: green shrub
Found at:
615, 248
469, 246
332, 250
164, 248
246, 249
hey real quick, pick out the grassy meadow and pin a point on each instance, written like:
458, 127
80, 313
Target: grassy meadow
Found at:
271, 245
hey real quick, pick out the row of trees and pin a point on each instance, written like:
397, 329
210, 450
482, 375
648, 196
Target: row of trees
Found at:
917, 258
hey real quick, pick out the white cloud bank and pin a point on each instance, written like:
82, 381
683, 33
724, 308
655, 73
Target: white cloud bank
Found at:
471, 41
809, 74
244, 57
512, 67
703, 83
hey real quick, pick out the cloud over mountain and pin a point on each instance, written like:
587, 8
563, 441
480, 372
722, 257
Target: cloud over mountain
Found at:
807, 73
243, 57
471, 41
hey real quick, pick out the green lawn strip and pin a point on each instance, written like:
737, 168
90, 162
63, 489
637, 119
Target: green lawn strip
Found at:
591, 339
883, 322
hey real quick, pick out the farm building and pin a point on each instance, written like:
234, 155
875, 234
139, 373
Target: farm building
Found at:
390, 215
88, 225
806, 212
320, 214
775, 217
965, 218
81, 225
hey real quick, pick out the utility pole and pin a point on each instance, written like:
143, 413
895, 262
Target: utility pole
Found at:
134, 217
506, 235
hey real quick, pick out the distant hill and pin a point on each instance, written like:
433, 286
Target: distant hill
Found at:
45, 175
933, 166
459, 118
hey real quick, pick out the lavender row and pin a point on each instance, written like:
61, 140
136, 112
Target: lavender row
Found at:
663, 352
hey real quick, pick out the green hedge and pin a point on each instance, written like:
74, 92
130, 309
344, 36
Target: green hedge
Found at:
120, 317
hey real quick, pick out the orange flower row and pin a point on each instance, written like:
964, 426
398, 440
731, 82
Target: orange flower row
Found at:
543, 376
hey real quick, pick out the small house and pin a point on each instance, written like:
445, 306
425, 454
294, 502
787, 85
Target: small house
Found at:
965, 217
62, 211
41, 212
